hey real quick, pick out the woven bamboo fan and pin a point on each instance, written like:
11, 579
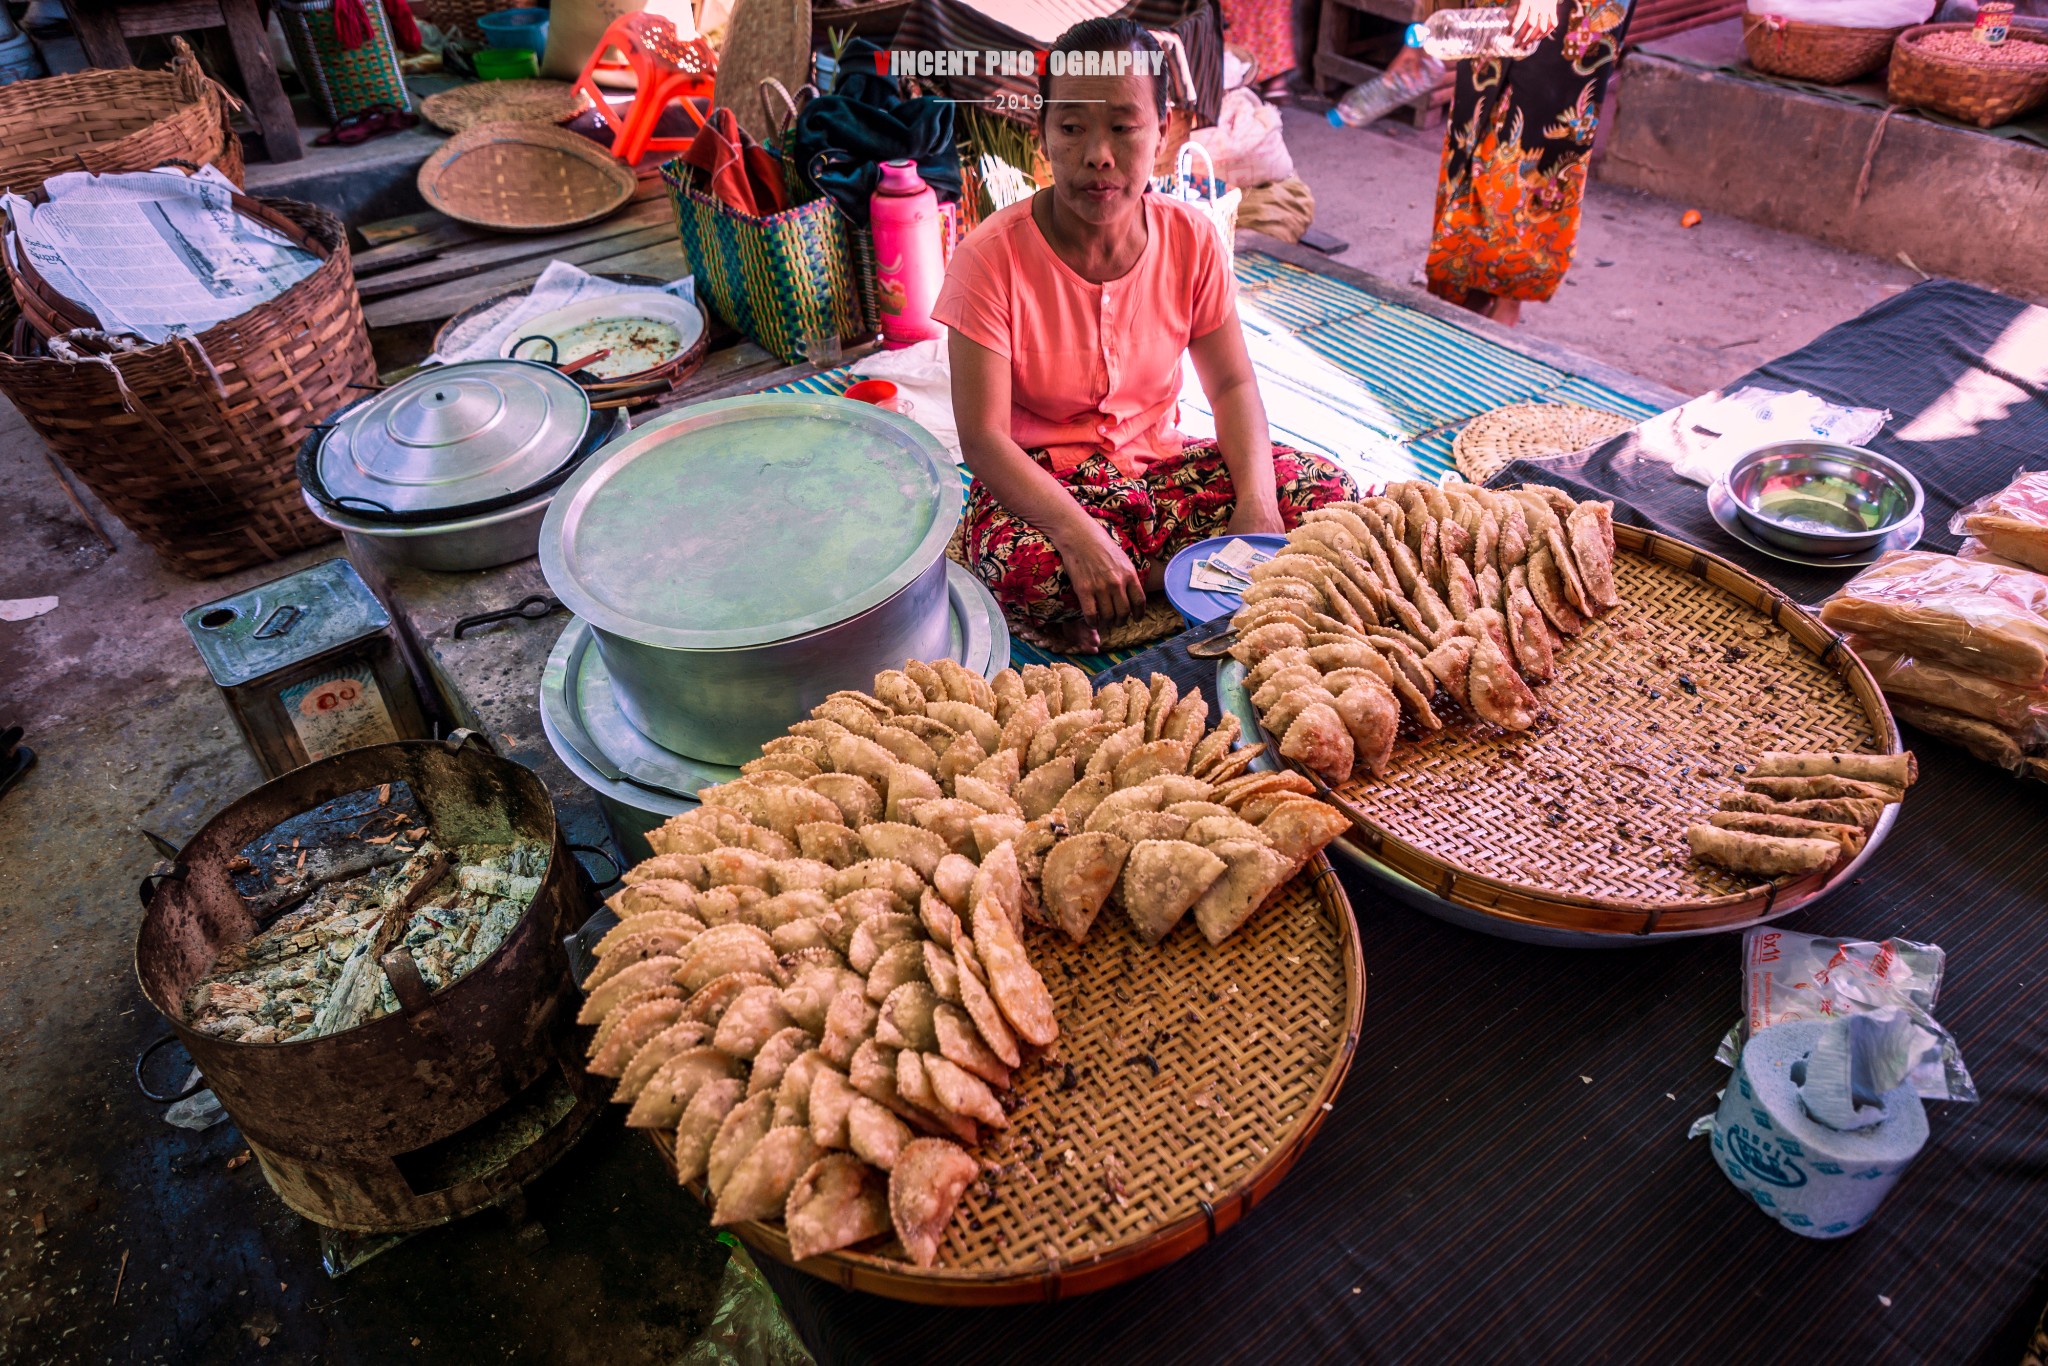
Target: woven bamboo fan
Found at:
524, 177
467, 106
1579, 824
1198, 1076
1530, 431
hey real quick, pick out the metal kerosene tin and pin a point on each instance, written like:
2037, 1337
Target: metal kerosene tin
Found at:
309, 666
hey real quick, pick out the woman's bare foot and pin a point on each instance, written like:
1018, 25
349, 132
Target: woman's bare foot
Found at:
1506, 312
1478, 301
1075, 637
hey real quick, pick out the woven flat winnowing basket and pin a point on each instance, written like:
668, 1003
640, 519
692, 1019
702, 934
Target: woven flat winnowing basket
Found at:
106, 121
466, 106
1190, 1076
1656, 712
523, 177
1494, 440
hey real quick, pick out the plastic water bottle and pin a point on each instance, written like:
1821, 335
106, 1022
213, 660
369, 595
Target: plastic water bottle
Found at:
1451, 35
909, 257
1456, 35
1363, 104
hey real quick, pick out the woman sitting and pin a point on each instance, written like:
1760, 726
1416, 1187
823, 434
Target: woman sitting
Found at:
1068, 316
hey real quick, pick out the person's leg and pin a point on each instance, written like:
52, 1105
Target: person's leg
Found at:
1022, 568
1305, 481
1195, 497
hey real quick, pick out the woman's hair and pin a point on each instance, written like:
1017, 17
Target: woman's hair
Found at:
1104, 35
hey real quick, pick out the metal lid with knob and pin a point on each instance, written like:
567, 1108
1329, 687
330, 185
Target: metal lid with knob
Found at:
453, 436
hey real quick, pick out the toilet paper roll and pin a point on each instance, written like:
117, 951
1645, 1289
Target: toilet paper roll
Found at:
1818, 1182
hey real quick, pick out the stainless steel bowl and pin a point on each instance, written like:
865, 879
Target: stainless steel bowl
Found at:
1822, 497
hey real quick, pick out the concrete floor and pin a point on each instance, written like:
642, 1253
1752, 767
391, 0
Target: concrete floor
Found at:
1688, 307
598, 1261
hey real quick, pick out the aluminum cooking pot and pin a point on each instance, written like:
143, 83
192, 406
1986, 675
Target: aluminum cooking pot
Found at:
740, 560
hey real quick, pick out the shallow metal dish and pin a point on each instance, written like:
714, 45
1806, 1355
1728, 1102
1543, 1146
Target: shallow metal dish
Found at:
1822, 497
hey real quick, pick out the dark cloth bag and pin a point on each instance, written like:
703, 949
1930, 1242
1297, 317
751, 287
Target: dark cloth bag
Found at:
842, 139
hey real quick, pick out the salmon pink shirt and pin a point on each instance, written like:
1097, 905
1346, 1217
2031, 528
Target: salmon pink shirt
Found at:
1093, 367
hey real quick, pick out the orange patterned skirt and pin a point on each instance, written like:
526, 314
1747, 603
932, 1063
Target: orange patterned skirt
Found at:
1514, 168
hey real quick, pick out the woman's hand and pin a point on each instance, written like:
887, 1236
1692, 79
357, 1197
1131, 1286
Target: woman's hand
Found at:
1534, 21
1252, 516
1104, 579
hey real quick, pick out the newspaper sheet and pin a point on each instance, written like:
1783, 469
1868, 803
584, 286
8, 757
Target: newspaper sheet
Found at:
153, 253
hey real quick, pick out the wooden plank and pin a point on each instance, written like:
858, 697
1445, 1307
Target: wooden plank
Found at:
99, 33
1548, 353
169, 16
424, 245
644, 249
497, 250
260, 83
465, 263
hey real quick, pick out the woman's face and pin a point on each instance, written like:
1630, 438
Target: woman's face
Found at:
1101, 134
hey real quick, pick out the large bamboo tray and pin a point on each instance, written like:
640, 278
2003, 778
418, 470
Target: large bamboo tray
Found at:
1579, 825
1202, 1073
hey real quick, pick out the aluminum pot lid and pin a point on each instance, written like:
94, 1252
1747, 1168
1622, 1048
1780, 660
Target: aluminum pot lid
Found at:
749, 520
454, 435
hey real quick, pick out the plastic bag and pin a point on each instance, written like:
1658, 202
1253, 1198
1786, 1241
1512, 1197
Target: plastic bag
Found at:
2012, 523
1983, 618
748, 1326
1791, 976
2021, 710
1246, 142
1847, 13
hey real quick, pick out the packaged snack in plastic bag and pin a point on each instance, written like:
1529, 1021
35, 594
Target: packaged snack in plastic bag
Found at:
2012, 523
1974, 549
1981, 739
2010, 706
1983, 618
1791, 976
1847, 13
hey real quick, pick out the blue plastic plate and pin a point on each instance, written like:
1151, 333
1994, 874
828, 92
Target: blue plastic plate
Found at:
1196, 605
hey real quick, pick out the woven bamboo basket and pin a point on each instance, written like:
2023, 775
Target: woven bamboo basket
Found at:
1494, 440
524, 177
1819, 53
460, 16
1252, 1039
193, 443
1973, 92
105, 121
1579, 824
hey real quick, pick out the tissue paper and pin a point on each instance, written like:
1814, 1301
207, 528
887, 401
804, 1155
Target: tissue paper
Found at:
1818, 1181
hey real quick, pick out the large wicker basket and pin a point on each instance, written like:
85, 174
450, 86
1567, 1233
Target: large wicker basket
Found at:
1579, 825
1974, 92
193, 443
1819, 53
1203, 1072
125, 120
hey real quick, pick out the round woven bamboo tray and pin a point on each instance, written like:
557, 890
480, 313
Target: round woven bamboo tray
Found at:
524, 177
1494, 440
1579, 824
1973, 92
529, 101
1251, 1038
106, 121
1820, 53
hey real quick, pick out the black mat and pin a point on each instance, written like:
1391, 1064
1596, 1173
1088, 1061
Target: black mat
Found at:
1506, 1175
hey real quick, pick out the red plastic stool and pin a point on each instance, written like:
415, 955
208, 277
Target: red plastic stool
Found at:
666, 69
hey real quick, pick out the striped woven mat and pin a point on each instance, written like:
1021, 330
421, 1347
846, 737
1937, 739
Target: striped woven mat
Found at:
1378, 388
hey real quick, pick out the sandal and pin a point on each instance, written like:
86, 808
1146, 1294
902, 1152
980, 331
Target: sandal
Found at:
365, 124
15, 758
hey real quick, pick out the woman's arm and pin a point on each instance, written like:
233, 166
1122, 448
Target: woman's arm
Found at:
1104, 579
1225, 369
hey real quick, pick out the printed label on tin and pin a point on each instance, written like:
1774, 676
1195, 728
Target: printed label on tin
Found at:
337, 711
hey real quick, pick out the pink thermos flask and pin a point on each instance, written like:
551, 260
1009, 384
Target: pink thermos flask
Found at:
903, 213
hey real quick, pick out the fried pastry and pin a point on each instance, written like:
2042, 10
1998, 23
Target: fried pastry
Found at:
839, 1201
925, 1186
1771, 856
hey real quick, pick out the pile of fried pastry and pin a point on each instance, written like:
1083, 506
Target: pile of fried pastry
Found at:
1802, 813
820, 983
1374, 606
